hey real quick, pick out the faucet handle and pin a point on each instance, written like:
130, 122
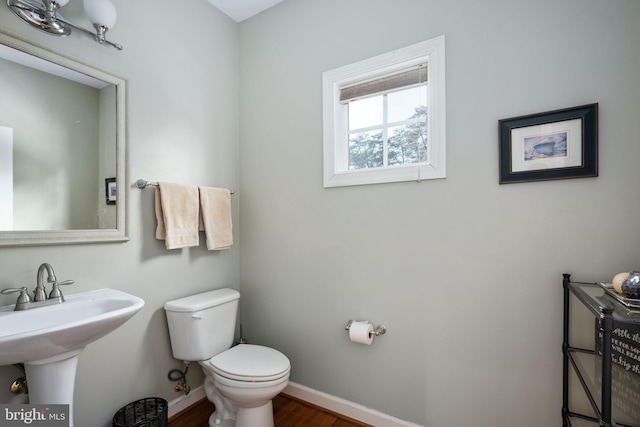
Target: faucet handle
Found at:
23, 298
55, 291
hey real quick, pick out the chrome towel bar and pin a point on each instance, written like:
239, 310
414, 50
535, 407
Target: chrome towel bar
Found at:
142, 184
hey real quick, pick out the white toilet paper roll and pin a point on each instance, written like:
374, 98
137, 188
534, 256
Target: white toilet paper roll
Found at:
360, 332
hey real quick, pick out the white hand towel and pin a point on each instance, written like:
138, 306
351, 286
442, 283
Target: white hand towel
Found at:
215, 204
177, 213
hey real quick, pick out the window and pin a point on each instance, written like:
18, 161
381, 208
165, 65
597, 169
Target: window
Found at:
384, 118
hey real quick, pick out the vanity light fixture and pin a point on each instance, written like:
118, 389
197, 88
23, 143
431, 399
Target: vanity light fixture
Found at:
43, 15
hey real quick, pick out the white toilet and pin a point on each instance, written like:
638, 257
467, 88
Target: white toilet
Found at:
241, 381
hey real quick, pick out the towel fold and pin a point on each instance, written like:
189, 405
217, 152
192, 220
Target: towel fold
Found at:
215, 204
177, 213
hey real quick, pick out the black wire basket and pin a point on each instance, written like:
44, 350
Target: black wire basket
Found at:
149, 412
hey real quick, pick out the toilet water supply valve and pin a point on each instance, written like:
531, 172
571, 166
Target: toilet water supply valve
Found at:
181, 378
19, 386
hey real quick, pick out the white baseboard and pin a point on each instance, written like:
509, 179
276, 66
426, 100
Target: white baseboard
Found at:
183, 402
318, 398
345, 407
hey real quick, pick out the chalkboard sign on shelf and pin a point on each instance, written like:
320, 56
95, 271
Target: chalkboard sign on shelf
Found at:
625, 372
625, 348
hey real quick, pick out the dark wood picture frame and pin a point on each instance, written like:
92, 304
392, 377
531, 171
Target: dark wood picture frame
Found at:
110, 190
555, 144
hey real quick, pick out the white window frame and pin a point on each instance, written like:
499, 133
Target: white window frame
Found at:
335, 116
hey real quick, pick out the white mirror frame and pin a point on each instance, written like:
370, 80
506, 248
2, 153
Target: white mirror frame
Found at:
59, 237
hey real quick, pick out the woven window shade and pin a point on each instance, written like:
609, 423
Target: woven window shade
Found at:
388, 83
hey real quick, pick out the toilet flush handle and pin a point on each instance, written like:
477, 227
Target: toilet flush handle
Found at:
197, 316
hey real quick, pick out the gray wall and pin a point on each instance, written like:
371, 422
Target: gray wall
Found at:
181, 62
465, 273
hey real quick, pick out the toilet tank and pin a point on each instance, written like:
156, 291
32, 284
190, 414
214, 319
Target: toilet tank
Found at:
202, 325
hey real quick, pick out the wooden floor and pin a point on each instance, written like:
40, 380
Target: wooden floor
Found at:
287, 412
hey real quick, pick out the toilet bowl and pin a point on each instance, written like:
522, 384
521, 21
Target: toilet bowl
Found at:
249, 377
241, 381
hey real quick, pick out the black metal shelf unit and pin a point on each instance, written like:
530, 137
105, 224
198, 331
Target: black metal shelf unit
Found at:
609, 373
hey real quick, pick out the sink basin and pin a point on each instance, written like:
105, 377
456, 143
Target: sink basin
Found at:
48, 340
40, 333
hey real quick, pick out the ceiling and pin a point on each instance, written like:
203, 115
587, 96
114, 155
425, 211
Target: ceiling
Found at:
239, 10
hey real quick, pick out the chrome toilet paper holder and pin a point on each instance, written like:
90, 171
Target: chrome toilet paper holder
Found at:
379, 330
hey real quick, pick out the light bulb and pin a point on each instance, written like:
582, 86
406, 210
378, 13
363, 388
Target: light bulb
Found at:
101, 12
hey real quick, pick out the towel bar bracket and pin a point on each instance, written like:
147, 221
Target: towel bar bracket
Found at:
142, 184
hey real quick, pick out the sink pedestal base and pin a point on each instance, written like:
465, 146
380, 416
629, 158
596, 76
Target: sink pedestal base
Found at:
51, 381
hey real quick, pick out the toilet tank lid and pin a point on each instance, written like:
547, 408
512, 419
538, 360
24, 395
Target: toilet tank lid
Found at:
202, 300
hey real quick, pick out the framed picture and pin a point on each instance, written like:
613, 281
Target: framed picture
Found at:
110, 190
552, 145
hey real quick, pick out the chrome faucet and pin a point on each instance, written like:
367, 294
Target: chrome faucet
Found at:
40, 298
39, 293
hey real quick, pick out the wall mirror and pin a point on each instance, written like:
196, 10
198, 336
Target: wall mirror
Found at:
62, 148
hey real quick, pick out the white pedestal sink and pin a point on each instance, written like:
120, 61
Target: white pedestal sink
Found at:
48, 340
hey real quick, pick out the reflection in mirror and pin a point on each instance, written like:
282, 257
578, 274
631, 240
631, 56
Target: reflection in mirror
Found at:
62, 136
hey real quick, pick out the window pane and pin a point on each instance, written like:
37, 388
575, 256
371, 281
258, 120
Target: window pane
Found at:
402, 104
365, 150
408, 144
365, 112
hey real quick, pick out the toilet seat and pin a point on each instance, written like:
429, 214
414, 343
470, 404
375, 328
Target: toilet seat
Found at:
250, 363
